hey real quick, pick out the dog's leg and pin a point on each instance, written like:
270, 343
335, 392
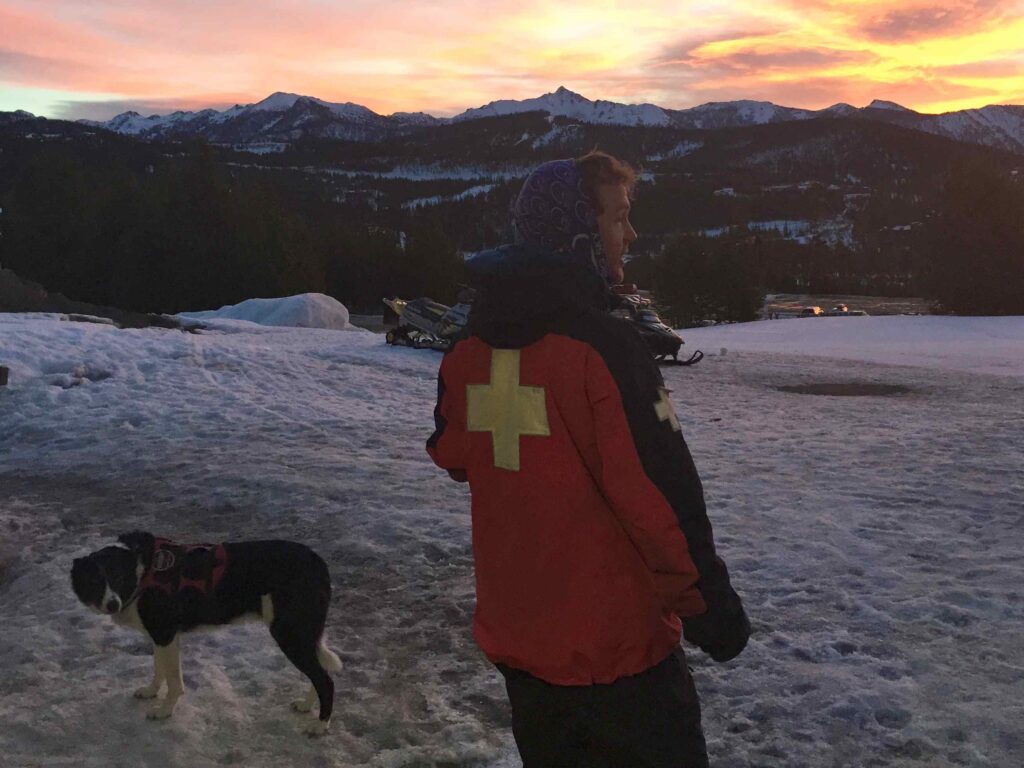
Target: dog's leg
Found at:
150, 691
300, 648
168, 658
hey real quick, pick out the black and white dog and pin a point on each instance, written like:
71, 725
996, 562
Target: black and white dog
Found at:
165, 589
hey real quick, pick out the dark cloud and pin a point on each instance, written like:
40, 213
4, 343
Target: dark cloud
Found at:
916, 23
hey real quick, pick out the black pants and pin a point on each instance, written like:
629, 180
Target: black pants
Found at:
649, 720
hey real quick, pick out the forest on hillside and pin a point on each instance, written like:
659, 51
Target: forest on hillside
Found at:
724, 215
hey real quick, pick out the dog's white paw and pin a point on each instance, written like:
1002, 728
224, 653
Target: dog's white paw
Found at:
160, 712
302, 705
146, 692
305, 704
317, 728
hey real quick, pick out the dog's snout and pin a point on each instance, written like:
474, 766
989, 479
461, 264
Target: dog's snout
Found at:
113, 606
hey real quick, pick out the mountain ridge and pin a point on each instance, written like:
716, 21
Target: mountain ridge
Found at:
286, 117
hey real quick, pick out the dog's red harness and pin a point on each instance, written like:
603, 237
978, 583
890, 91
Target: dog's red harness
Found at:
175, 567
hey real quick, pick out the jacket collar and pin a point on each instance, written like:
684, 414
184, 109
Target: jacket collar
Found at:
523, 292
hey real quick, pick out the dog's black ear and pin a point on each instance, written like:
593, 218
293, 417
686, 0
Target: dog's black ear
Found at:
86, 580
138, 541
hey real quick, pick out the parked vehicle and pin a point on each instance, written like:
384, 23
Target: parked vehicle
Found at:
427, 324
811, 312
841, 310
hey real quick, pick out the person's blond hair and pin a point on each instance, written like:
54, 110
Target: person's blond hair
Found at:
599, 169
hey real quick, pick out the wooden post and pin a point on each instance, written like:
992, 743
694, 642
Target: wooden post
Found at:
4, 370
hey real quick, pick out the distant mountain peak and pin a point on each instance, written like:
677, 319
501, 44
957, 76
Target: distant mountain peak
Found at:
278, 101
890, 105
842, 108
565, 103
563, 91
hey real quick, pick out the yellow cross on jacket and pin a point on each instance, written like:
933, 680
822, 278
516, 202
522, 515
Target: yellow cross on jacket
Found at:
506, 409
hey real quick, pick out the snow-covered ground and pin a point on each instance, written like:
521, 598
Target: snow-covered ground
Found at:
876, 541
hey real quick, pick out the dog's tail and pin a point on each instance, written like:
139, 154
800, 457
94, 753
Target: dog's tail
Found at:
328, 659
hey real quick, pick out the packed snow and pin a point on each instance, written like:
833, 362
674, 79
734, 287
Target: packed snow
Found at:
875, 541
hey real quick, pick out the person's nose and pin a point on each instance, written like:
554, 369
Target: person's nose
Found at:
630, 233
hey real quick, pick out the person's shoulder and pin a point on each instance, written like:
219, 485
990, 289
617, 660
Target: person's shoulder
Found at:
605, 331
618, 344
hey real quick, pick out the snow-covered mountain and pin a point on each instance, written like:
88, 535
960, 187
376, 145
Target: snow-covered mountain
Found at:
565, 103
285, 117
999, 126
733, 114
892, 106
279, 117
18, 115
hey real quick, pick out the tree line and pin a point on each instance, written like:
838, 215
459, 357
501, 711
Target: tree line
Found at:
181, 234
167, 232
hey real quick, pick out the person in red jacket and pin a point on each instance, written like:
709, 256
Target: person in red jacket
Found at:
592, 545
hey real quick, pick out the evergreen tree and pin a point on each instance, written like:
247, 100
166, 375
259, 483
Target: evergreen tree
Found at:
698, 280
976, 264
430, 265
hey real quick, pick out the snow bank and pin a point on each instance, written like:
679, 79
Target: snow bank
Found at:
980, 344
307, 310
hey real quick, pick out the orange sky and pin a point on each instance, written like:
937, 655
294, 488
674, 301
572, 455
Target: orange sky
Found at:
95, 58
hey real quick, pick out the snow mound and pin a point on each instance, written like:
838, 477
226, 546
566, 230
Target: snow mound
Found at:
307, 310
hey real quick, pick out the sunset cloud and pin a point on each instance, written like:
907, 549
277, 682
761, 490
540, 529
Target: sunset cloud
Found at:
95, 57
932, 20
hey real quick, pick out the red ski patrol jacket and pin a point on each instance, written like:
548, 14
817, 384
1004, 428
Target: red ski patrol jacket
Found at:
590, 534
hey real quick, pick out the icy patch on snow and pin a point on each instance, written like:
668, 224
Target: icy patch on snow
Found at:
307, 310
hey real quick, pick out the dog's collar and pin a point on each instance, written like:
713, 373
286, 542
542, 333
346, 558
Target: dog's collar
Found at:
143, 572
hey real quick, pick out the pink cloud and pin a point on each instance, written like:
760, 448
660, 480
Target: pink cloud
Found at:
949, 18
443, 56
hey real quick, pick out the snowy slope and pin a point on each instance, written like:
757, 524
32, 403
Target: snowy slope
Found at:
875, 541
994, 125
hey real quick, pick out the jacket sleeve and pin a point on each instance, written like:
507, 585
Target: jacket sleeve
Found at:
447, 445
649, 478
